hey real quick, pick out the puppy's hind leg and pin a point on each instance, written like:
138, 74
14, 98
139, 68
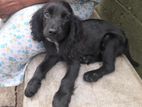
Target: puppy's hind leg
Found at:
109, 54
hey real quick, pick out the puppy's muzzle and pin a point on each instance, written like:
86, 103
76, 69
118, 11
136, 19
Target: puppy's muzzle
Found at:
52, 31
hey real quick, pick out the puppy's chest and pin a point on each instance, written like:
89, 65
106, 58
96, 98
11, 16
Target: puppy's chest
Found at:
68, 53
72, 52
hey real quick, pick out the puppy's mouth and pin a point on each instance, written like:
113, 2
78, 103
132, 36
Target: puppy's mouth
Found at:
55, 42
51, 39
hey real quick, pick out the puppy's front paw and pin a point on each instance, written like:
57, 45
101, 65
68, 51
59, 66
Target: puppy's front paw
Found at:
32, 87
92, 76
61, 99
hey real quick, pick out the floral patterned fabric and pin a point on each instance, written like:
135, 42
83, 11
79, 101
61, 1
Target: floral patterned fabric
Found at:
17, 46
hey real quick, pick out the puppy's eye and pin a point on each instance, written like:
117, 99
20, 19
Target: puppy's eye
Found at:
65, 16
46, 15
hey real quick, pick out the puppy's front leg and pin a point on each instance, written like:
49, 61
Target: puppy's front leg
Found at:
63, 95
34, 84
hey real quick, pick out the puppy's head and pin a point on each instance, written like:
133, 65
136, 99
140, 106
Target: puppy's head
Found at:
56, 21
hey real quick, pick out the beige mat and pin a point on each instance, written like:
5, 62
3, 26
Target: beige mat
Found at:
123, 88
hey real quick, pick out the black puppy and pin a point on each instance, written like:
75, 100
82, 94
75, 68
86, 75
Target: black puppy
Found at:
69, 39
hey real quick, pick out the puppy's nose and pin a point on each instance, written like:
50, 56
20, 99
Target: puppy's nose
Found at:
52, 31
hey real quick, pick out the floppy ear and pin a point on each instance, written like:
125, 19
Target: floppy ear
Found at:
75, 30
37, 25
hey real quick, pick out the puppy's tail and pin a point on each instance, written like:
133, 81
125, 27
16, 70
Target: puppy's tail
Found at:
128, 55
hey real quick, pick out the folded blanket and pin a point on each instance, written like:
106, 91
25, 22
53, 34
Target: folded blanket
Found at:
17, 46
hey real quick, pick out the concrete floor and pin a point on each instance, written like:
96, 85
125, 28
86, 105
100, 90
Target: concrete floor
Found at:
12, 96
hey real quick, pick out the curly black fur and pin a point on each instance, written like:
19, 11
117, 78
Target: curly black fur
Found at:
75, 41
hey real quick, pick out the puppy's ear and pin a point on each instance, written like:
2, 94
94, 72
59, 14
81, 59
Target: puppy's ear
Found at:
76, 26
37, 25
